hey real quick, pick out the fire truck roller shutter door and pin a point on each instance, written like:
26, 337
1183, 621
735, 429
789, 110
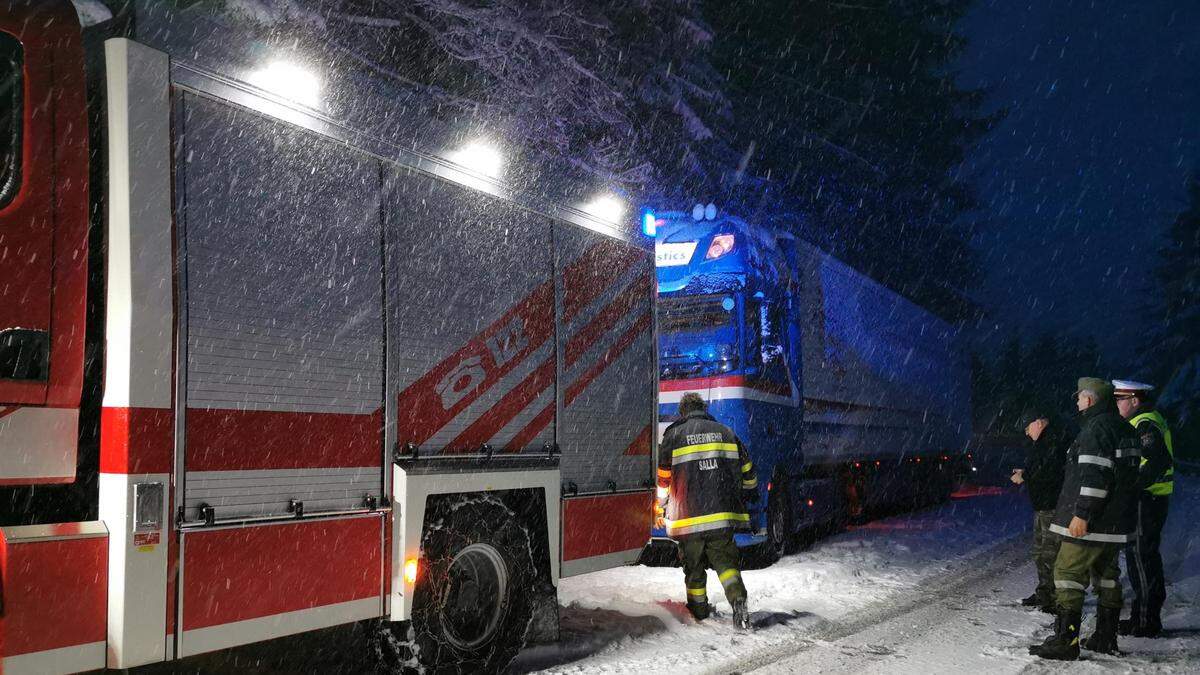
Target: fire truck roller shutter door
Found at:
470, 319
608, 380
284, 316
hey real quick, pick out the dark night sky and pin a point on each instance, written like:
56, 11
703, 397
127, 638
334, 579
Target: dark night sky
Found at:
1090, 165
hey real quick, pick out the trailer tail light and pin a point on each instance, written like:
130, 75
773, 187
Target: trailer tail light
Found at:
410, 570
721, 244
768, 486
810, 502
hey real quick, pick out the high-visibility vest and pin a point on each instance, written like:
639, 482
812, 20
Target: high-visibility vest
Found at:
1166, 485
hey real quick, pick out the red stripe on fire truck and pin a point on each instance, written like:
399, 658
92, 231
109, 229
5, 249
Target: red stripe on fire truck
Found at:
441, 394
218, 439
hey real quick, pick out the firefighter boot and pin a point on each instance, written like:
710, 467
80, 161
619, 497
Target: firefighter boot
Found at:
1104, 640
1034, 600
1064, 644
741, 614
700, 610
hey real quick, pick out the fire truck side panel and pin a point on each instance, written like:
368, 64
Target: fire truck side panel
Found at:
54, 616
245, 584
606, 398
280, 231
470, 319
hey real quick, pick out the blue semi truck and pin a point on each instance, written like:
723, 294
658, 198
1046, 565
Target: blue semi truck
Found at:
850, 399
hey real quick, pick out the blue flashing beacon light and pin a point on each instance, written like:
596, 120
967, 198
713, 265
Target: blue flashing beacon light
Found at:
649, 223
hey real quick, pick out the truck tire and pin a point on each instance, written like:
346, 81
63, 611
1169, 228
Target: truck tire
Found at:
472, 604
781, 523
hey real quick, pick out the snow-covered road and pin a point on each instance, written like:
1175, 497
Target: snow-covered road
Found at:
935, 591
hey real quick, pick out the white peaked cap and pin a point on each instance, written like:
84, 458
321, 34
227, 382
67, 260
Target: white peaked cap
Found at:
1131, 387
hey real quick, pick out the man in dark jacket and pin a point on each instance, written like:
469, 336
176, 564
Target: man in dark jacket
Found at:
1042, 476
1156, 483
1095, 517
704, 477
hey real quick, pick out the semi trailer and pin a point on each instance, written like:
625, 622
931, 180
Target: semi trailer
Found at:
272, 360
849, 397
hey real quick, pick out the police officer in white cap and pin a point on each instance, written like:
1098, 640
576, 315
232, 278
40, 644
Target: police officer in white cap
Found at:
1156, 482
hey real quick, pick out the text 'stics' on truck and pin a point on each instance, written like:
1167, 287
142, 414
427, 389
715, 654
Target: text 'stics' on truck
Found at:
849, 398
273, 360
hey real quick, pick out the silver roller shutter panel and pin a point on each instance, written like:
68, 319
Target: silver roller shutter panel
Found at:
470, 319
281, 231
609, 389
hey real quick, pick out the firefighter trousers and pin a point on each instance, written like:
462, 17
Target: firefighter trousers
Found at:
1078, 565
715, 550
1143, 562
1045, 551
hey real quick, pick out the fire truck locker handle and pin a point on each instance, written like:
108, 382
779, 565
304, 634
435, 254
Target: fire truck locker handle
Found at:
296, 507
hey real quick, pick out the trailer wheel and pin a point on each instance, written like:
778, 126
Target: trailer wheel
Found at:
781, 524
472, 604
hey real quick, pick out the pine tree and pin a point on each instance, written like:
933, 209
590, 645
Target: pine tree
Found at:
850, 115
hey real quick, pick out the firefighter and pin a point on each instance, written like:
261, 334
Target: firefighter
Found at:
1095, 518
1042, 476
1156, 482
705, 477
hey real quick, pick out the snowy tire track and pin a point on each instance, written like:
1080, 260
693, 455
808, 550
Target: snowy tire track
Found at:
998, 559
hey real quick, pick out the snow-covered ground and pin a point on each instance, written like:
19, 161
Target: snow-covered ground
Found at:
934, 591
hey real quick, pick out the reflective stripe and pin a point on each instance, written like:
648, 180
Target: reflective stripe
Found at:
1094, 459
699, 455
706, 447
698, 592
1128, 453
662, 494
747, 484
1166, 485
747, 467
664, 473
1091, 536
713, 521
729, 577
1064, 583
1092, 492
1108, 583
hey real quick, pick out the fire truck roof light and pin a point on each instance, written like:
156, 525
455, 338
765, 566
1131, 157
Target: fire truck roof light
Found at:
289, 81
410, 570
479, 157
607, 208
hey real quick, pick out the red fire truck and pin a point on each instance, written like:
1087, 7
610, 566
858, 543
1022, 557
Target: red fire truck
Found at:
265, 368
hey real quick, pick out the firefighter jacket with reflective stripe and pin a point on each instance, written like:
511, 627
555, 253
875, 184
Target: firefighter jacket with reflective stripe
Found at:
1100, 485
702, 470
1158, 453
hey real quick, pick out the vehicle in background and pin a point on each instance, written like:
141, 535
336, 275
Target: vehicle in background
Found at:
272, 370
850, 398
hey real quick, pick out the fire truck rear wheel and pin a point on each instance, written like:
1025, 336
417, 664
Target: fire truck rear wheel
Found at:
472, 602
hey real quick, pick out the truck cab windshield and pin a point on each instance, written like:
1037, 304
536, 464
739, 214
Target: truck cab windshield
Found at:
698, 335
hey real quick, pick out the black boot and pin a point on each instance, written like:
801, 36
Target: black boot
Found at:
1034, 600
1104, 639
1151, 629
700, 610
1128, 626
1064, 644
741, 615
